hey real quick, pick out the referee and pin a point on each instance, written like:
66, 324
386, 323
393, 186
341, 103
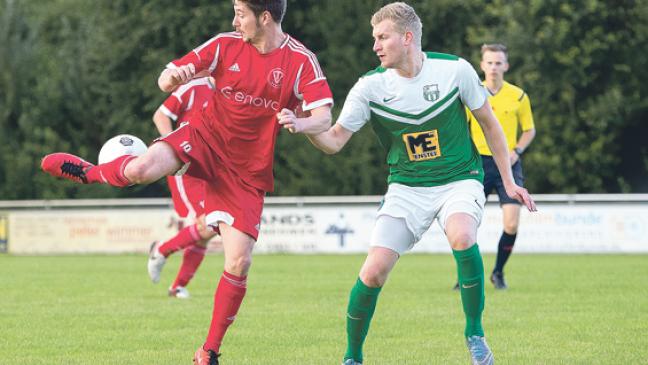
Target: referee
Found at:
512, 108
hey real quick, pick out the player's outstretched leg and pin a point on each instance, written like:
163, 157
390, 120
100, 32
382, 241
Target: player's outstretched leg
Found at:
159, 160
74, 168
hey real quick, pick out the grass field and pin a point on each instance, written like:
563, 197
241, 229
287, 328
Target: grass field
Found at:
568, 309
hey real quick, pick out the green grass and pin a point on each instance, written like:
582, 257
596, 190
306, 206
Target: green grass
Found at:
561, 309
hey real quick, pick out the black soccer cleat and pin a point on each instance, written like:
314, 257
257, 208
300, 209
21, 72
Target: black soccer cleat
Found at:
205, 357
497, 278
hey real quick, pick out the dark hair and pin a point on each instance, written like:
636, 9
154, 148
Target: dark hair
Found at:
276, 8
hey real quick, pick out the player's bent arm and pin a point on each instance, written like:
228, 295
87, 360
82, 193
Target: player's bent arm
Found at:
319, 120
496, 141
162, 122
525, 139
171, 78
332, 140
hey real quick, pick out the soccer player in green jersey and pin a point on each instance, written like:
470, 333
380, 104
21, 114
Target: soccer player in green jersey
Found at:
416, 103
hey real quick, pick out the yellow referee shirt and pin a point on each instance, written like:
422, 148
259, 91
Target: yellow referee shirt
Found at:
512, 107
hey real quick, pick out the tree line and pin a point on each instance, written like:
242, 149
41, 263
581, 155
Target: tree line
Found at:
74, 73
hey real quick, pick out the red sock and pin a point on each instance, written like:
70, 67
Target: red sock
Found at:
227, 300
185, 238
193, 256
111, 172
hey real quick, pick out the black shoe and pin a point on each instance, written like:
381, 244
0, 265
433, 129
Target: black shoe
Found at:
202, 357
497, 278
456, 286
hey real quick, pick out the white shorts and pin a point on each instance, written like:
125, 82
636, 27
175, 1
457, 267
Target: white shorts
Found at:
419, 206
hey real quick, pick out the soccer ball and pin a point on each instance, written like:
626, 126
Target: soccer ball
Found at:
123, 144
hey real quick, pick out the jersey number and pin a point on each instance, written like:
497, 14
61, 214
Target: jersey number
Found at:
422, 146
186, 146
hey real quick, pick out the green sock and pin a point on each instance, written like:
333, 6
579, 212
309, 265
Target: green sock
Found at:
470, 270
362, 304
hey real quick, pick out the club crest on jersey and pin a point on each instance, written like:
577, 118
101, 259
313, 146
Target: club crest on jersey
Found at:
422, 146
275, 77
431, 92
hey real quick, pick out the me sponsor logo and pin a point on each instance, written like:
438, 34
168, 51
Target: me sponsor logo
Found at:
243, 98
422, 146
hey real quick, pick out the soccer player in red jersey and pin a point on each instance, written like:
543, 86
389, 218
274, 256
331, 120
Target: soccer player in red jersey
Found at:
261, 74
188, 192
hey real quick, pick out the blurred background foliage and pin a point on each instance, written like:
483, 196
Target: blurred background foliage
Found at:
73, 73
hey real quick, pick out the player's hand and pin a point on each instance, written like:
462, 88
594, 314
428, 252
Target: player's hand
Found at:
522, 195
513, 157
288, 120
183, 74
301, 113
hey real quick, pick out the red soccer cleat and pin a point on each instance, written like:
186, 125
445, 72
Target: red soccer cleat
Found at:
205, 357
66, 166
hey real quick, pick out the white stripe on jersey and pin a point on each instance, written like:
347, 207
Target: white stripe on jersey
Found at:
191, 100
168, 113
195, 82
296, 86
285, 42
295, 46
214, 62
406, 120
183, 195
316, 80
316, 104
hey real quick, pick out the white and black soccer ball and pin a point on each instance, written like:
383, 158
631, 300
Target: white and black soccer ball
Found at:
123, 144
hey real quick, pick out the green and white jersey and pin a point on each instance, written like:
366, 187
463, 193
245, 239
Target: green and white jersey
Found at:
421, 121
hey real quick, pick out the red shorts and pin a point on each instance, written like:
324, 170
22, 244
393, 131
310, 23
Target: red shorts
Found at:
228, 198
188, 194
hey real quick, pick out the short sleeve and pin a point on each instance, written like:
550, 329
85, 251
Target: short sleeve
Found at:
171, 107
311, 86
178, 102
471, 91
524, 114
355, 112
204, 57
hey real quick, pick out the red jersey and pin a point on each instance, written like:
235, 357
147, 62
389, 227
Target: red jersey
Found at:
193, 96
240, 122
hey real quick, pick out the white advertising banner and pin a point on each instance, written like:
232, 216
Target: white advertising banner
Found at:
88, 231
554, 228
327, 228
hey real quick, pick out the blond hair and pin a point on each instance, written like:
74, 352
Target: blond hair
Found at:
404, 18
494, 47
